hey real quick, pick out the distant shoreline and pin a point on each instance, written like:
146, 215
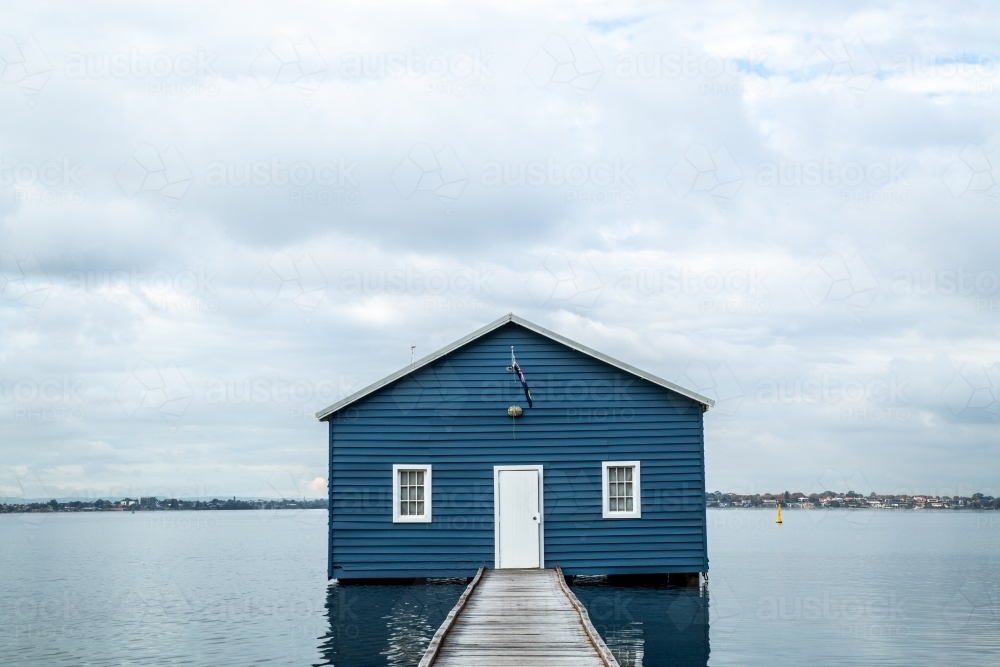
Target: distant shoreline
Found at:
153, 504
716, 500
873, 509
851, 500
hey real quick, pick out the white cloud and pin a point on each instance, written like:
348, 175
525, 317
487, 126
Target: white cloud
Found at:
367, 227
285, 61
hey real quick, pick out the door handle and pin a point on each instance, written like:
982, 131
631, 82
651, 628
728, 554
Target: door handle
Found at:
534, 518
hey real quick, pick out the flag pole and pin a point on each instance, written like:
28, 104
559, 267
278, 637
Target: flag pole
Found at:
513, 420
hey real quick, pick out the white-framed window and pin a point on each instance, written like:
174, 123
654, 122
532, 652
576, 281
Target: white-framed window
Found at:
620, 494
411, 493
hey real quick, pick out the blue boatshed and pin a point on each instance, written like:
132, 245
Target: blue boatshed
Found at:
443, 467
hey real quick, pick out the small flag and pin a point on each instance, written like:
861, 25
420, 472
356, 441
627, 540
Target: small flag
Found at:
524, 383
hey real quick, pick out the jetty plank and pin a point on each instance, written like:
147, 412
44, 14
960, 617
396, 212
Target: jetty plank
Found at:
512, 618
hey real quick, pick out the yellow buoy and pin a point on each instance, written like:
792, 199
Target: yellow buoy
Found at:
777, 519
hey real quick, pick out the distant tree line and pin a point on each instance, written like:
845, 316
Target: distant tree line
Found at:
976, 501
151, 503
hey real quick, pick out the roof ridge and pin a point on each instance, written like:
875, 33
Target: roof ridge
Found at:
327, 412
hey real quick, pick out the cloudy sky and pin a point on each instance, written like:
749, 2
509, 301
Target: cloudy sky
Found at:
216, 220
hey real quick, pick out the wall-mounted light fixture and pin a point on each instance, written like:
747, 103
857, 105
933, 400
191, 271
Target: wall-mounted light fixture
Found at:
514, 411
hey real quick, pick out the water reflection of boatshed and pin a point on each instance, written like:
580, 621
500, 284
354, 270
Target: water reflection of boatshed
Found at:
450, 464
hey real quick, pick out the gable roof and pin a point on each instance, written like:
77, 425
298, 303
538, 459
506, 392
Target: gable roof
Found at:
326, 413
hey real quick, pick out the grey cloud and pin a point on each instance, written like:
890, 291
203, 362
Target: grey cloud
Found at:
267, 219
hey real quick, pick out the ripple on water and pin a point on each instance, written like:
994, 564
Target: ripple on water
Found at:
241, 588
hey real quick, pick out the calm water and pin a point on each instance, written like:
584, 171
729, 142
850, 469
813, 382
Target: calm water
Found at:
247, 588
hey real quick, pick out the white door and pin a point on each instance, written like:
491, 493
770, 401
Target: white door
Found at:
519, 521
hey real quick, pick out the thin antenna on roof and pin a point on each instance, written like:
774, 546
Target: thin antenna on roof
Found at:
413, 349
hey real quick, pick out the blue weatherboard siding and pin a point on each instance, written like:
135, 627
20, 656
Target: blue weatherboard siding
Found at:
452, 414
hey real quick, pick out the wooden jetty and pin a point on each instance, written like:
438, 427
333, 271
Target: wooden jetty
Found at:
515, 618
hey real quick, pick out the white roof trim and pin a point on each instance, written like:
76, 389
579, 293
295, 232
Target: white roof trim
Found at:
324, 414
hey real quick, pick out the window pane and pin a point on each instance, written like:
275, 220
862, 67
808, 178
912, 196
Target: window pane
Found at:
621, 493
412, 492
